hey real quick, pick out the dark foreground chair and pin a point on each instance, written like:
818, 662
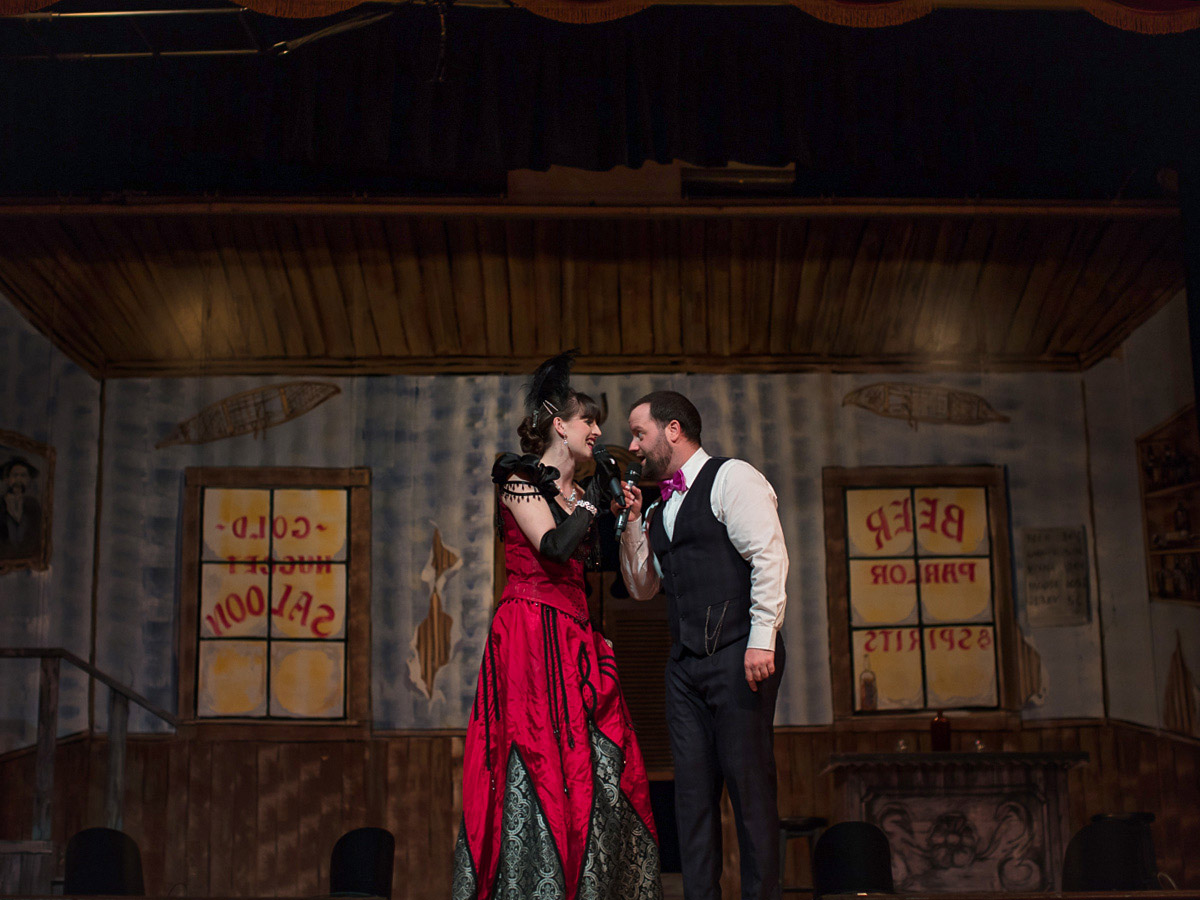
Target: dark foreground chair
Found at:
103, 861
362, 863
1112, 853
791, 828
852, 858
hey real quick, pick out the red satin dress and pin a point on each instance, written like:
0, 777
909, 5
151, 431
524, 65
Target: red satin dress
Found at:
555, 798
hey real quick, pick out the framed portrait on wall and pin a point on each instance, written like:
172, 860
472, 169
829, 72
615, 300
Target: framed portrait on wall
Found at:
27, 485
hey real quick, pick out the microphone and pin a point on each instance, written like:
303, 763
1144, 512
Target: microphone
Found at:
632, 475
607, 468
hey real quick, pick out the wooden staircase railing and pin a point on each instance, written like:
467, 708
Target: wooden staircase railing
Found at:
27, 866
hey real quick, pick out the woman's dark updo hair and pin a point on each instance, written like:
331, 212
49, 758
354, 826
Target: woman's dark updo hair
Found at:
535, 439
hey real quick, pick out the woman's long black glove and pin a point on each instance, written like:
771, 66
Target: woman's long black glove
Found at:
560, 542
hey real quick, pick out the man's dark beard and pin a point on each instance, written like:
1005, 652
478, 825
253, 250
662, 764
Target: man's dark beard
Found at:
655, 465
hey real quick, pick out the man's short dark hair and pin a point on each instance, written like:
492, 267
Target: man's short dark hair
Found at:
666, 406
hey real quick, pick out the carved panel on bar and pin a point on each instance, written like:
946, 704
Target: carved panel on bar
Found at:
963, 821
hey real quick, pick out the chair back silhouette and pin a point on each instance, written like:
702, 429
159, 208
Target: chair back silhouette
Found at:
362, 863
852, 858
103, 861
1112, 853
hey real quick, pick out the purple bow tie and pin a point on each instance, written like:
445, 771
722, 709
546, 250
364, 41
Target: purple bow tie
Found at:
675, 483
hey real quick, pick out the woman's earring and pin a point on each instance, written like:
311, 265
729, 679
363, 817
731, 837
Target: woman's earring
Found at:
565, 444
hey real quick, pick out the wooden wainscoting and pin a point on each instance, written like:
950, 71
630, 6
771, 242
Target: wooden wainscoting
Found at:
242, 818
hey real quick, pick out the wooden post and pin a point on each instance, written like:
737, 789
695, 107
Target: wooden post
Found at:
1189, 202
47, 735
114, 790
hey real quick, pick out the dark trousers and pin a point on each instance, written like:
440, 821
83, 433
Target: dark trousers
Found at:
722, 734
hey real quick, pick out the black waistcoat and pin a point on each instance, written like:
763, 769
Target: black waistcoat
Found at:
706, 581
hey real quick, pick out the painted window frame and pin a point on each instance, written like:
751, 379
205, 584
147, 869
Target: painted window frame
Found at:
835, 482
357, 483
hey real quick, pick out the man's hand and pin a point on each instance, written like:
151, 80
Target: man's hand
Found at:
760, 665
633, 500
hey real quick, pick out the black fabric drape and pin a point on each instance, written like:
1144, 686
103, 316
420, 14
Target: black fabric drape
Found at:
962, 103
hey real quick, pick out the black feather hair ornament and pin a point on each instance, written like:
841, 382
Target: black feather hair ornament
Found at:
550, 386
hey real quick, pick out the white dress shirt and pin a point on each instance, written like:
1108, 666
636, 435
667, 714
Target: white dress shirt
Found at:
745, 503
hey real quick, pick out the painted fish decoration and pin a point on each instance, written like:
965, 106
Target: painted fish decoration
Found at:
252, 411
915, 403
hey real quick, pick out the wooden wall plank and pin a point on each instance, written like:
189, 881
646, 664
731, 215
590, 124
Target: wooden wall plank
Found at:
141, 274
497, 306
602, 290
293, 265
258, 337
328, 802
880, 309
898, 338
521, 291
226, 784
283, 804
555, 322
263, 874
791, 238
436, 287
1002, 281
411, 298
379, 278
843, 339
199, 819
244, 787
316, 273
264, 290
664, 260
177, 801
347, 269
693, 308
1055, 239
301, 333
466, 280
308, 822
289, 855
717, 301
1063, 287
635, 289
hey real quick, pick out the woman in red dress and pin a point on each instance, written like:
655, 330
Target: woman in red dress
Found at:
555, 800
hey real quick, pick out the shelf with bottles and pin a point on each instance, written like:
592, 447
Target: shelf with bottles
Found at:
1169, 476
1167, 466
1175, 576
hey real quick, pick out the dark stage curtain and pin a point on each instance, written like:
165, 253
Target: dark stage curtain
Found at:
957, 104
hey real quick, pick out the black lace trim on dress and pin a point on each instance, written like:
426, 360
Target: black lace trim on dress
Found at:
539, 479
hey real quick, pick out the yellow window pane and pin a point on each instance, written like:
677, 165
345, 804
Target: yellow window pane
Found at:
887, 669
308, 600
883, 592
879, 522
961, 664
956, 590
232, 678
236, 524
307, 680
951, 521
233, 600
310, 525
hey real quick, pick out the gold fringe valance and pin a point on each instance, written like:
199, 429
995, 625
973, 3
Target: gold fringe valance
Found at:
1164, 17
853, 14
582, 12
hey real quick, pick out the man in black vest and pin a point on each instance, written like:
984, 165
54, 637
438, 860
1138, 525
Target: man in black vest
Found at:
714, 543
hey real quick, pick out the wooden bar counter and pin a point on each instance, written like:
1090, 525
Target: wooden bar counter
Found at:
963, 822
